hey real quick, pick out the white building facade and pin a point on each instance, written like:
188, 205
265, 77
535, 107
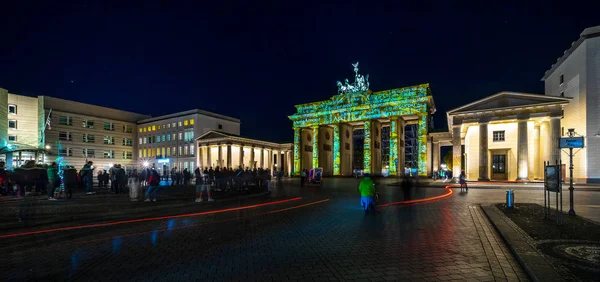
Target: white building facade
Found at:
576, 75
168, 141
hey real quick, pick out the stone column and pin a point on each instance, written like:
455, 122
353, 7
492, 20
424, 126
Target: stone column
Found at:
315, 152
336, 149
422, 130
219, 156
252, 157
456, 152
228, 155
200, 157
289, 163
393, 159
281, 161
401, 147
262, 158
522, 151
429, 157
537, 167
554, 139
367, 148
208, 157
241, 156
436, 155
297, 150
483, 152
272, 157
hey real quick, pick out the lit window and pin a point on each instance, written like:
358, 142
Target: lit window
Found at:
140, 153
168, 137
164, 138
65, 136
191, 121
163, 126
168, 151
158, 138
173, 125
185, 150
141, 142
180, 136
192, 149
87, 138
12, 138
149, 128
180, 151
127, 142
88, 123
109, 140
127, 128
162, 152
12, 124
185, 122
168, 125
153, 127
145, 140
65, 120
144, 129
109, 126
174, 152
173, 137
141, 130
157, 152
145, 152
12, 109
109, 154
89, 153
180, 124
127, 155
498, 136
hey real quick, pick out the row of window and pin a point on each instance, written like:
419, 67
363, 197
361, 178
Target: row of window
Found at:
86, 123
187, 136
167, 152
91, 153
151, 128
90, 138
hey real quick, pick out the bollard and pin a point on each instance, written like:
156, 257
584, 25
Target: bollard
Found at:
510, 198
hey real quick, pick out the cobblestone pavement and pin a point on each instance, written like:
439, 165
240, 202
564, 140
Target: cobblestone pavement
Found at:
324, 236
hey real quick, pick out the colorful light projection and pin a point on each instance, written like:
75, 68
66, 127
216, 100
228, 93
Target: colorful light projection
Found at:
363, 106
393, 145
336, 149
315, 143
367, 148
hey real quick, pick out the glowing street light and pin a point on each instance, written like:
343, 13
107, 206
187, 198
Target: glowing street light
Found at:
48, 147
146, 164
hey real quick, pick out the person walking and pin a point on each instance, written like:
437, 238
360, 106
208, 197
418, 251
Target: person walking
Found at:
463, 182
200, 187
302, 177
87, 175
52, 172
154, 183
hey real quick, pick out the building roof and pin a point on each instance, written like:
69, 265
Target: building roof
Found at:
589, 32
218, 136
62, 105
189, 112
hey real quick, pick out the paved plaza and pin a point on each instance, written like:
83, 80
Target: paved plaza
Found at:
293, 234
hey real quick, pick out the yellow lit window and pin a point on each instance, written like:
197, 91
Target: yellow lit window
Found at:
191, 121
185, 122
140, 130
185, 150
144, 129
149, 128
153, 127
140, 153
162, 151
168, 151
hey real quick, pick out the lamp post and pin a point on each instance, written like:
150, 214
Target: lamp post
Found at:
571, 188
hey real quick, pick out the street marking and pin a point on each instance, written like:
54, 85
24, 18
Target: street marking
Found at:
145, 219
448, 193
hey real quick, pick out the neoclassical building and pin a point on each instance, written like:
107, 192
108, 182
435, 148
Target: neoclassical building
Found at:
506, 136
323, 130
220, 149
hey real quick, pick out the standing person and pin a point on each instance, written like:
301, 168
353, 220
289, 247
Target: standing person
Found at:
87, 176
70, 180
186, 177
367, 193
153, 182
173, 176
463, 182
100, 178
121, 179
133, 185
200, 188
302, 177
52, 181
268, 180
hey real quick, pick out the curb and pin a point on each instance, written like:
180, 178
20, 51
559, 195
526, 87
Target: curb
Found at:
532, 262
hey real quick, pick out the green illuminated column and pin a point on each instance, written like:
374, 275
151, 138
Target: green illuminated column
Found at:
367, 148
296, 151
422, 144
393, 145
336, 149
315, 152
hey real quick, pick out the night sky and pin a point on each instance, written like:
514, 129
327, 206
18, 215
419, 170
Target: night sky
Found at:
256, 61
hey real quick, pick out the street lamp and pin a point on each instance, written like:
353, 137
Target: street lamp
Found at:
146, 164
48, 147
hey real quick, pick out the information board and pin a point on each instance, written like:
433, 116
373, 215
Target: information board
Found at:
552, 181
571, 142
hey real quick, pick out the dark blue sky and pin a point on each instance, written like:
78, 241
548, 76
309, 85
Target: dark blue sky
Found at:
255, 61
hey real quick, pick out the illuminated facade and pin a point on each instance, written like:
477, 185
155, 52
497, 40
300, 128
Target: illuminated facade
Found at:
323, 130
220, 149
506, 136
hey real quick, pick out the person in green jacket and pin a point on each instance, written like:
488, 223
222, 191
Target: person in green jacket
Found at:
52, 172
367, 193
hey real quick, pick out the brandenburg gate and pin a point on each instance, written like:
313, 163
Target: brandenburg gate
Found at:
323, 131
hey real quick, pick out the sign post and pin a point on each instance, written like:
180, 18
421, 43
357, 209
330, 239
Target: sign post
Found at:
553, 183
571, 142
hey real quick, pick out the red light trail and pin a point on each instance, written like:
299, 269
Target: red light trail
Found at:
145, 219
448, 193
